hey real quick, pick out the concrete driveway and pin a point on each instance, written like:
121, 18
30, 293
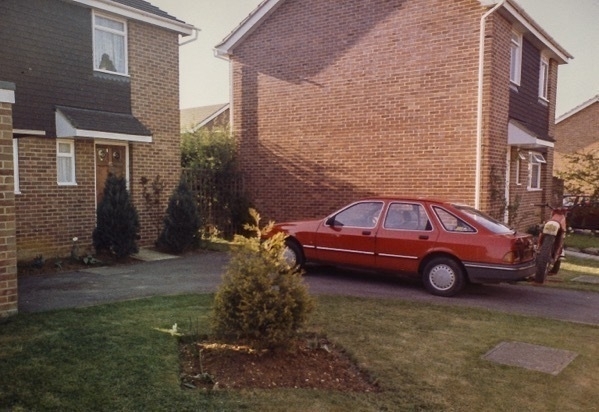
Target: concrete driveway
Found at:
201, 273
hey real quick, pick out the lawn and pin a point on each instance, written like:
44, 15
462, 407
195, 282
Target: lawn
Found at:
118, 357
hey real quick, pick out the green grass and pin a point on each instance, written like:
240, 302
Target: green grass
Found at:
425, 357
581, 240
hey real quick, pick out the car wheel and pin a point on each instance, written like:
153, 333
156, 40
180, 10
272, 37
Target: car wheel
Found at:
443, 277
293, 253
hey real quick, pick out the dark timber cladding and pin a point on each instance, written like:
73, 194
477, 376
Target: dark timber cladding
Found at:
48, 53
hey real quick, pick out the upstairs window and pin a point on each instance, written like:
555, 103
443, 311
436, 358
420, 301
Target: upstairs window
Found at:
65, 162
534, 168
110, 44
516, 58
544, 79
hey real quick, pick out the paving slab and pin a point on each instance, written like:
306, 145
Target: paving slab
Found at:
533, 357
150, 255
586, 279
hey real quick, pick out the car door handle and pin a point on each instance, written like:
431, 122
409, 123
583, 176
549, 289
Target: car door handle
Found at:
423, 237
366, 232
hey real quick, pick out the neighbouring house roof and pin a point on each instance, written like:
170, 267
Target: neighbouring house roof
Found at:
509, 9
140, 10
75, 122
578, 108
196, 117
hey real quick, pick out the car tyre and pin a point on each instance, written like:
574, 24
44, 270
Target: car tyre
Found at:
293, 253
443, 277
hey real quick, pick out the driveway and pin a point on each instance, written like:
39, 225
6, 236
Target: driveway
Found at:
201, 273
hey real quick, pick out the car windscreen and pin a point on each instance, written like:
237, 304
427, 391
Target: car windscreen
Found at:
484, 220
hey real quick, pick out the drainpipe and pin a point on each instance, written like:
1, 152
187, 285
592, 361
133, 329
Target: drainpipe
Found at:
479, 112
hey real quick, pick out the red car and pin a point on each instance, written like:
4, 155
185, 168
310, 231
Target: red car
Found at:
446, 244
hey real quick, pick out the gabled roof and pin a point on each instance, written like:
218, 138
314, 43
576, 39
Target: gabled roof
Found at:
140, 10
196, 117
508, 8
578, 108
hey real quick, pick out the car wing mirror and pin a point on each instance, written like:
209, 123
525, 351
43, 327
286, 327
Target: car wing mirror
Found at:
330, 221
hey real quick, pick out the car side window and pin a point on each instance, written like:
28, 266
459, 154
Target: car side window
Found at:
407, 216
452, 223
364, 214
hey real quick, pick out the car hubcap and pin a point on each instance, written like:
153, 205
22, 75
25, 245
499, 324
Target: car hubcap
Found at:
290, 257
442, 277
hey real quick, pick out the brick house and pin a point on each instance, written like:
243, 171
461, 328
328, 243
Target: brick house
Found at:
577, 131
97, 91
205, 117
332, 101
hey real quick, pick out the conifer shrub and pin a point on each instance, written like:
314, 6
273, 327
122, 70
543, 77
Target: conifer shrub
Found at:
117, 221
261, 299
182, 221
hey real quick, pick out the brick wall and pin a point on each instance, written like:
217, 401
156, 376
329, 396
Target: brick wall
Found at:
8, 261
579, 132
337, 100
154, 70
49, 216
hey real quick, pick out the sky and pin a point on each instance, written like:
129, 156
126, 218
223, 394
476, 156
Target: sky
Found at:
205, 78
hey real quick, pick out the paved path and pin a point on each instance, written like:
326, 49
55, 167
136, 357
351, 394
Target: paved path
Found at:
201, 273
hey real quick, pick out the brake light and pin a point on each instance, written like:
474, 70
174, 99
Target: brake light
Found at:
510, 257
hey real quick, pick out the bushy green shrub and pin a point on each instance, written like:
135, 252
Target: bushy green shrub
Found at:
182, 221
117, 220
262, 299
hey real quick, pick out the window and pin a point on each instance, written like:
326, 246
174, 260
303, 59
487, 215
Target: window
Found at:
65, 162
15, 155
407, 216
516, 58
110, 44
544, 79
364, 215
452, 223
521, 157
534, 168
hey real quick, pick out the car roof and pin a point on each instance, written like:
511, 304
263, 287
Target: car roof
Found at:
409, 199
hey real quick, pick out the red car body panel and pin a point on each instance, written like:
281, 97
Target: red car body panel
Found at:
487, 256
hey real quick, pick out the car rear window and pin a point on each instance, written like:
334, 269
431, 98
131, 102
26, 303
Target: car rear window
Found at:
484, 220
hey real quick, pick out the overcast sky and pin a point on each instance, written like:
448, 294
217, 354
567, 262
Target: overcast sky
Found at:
574, 24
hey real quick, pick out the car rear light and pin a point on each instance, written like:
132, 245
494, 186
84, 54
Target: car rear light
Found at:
522, 250
510, 257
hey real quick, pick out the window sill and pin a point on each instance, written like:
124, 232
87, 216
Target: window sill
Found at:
514, 86
543, 101
532, 189
66, 184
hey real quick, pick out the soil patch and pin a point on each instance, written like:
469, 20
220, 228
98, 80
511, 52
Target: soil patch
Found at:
314, 363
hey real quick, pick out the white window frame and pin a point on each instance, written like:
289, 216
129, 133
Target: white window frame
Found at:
536, 160
516, 58
15, 156
544, 79
71, 157
97, 58
519, 160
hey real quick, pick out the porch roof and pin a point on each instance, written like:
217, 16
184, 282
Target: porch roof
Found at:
75, 122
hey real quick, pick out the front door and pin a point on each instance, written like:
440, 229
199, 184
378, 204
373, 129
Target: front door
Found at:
109, 159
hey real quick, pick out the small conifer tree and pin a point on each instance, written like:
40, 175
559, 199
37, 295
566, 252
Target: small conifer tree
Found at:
262, 299
182, 221
116, 219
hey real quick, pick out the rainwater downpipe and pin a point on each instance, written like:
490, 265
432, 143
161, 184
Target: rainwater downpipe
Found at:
479, 112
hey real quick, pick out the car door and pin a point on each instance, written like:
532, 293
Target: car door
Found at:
404, 237
348, 237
